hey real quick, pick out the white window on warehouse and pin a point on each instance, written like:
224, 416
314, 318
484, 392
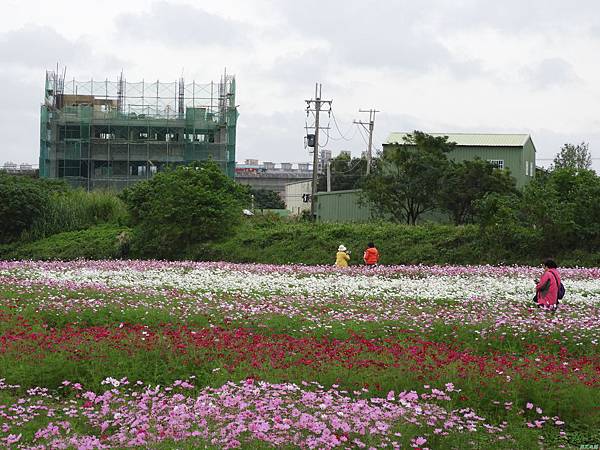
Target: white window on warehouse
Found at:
497, 163
527, 168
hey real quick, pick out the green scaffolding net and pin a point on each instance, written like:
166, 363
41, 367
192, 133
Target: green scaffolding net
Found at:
112, 134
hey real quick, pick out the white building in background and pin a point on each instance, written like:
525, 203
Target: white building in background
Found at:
297, 196
324, 158
268, 176
18, 169
10, 166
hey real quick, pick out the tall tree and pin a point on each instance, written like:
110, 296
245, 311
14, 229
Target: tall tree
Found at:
346, 173
267, 199
182, 207
469, 181
564, 207
23, 200
408, 179
576, 157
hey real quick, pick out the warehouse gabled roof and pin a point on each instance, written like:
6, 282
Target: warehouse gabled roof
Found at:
472, 139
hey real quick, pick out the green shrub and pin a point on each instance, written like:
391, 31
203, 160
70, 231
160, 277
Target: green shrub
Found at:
271, 240
282, 242
76, 210
22, 202
266, 199
181, 207
564, 206
98, 242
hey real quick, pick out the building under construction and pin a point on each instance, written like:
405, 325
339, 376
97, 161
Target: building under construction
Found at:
108, 135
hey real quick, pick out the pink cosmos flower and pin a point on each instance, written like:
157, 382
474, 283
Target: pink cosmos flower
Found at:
420, 440
12, 439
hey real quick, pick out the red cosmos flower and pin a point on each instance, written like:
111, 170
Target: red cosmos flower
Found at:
229, 349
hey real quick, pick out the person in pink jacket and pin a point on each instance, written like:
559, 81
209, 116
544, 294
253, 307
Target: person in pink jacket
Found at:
547, 287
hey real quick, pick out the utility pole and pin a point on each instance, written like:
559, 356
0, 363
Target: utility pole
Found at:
328, 176
369, 127
318, 104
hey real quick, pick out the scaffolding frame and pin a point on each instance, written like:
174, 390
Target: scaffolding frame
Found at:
110, 134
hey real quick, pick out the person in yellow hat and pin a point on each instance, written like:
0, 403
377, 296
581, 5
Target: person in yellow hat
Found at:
342, 257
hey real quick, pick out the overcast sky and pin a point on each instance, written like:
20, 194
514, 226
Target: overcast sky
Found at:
512, 66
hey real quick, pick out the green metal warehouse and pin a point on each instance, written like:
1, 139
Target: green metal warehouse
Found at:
515, 152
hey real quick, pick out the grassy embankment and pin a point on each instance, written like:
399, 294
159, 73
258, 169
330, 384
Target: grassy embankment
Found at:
282, 242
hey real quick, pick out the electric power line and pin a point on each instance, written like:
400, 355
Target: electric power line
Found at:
340, 131
362, 135
350, 169
326, 134
344, 139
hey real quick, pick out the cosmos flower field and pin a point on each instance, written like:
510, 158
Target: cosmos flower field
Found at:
150, 354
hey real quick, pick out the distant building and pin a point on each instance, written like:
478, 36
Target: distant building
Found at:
19, 169
268, 176
515, 152
324, 158
343, 207
297, 196
241, 169
111, 134
10, 166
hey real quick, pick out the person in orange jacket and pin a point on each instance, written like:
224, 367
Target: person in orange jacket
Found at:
371, 255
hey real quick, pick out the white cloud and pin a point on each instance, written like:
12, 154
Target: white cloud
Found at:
34, 46
397, 35
19, 118
436, 65
549, 73
180, 25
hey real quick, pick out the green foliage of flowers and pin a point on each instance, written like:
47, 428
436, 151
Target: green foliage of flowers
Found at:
452, 369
